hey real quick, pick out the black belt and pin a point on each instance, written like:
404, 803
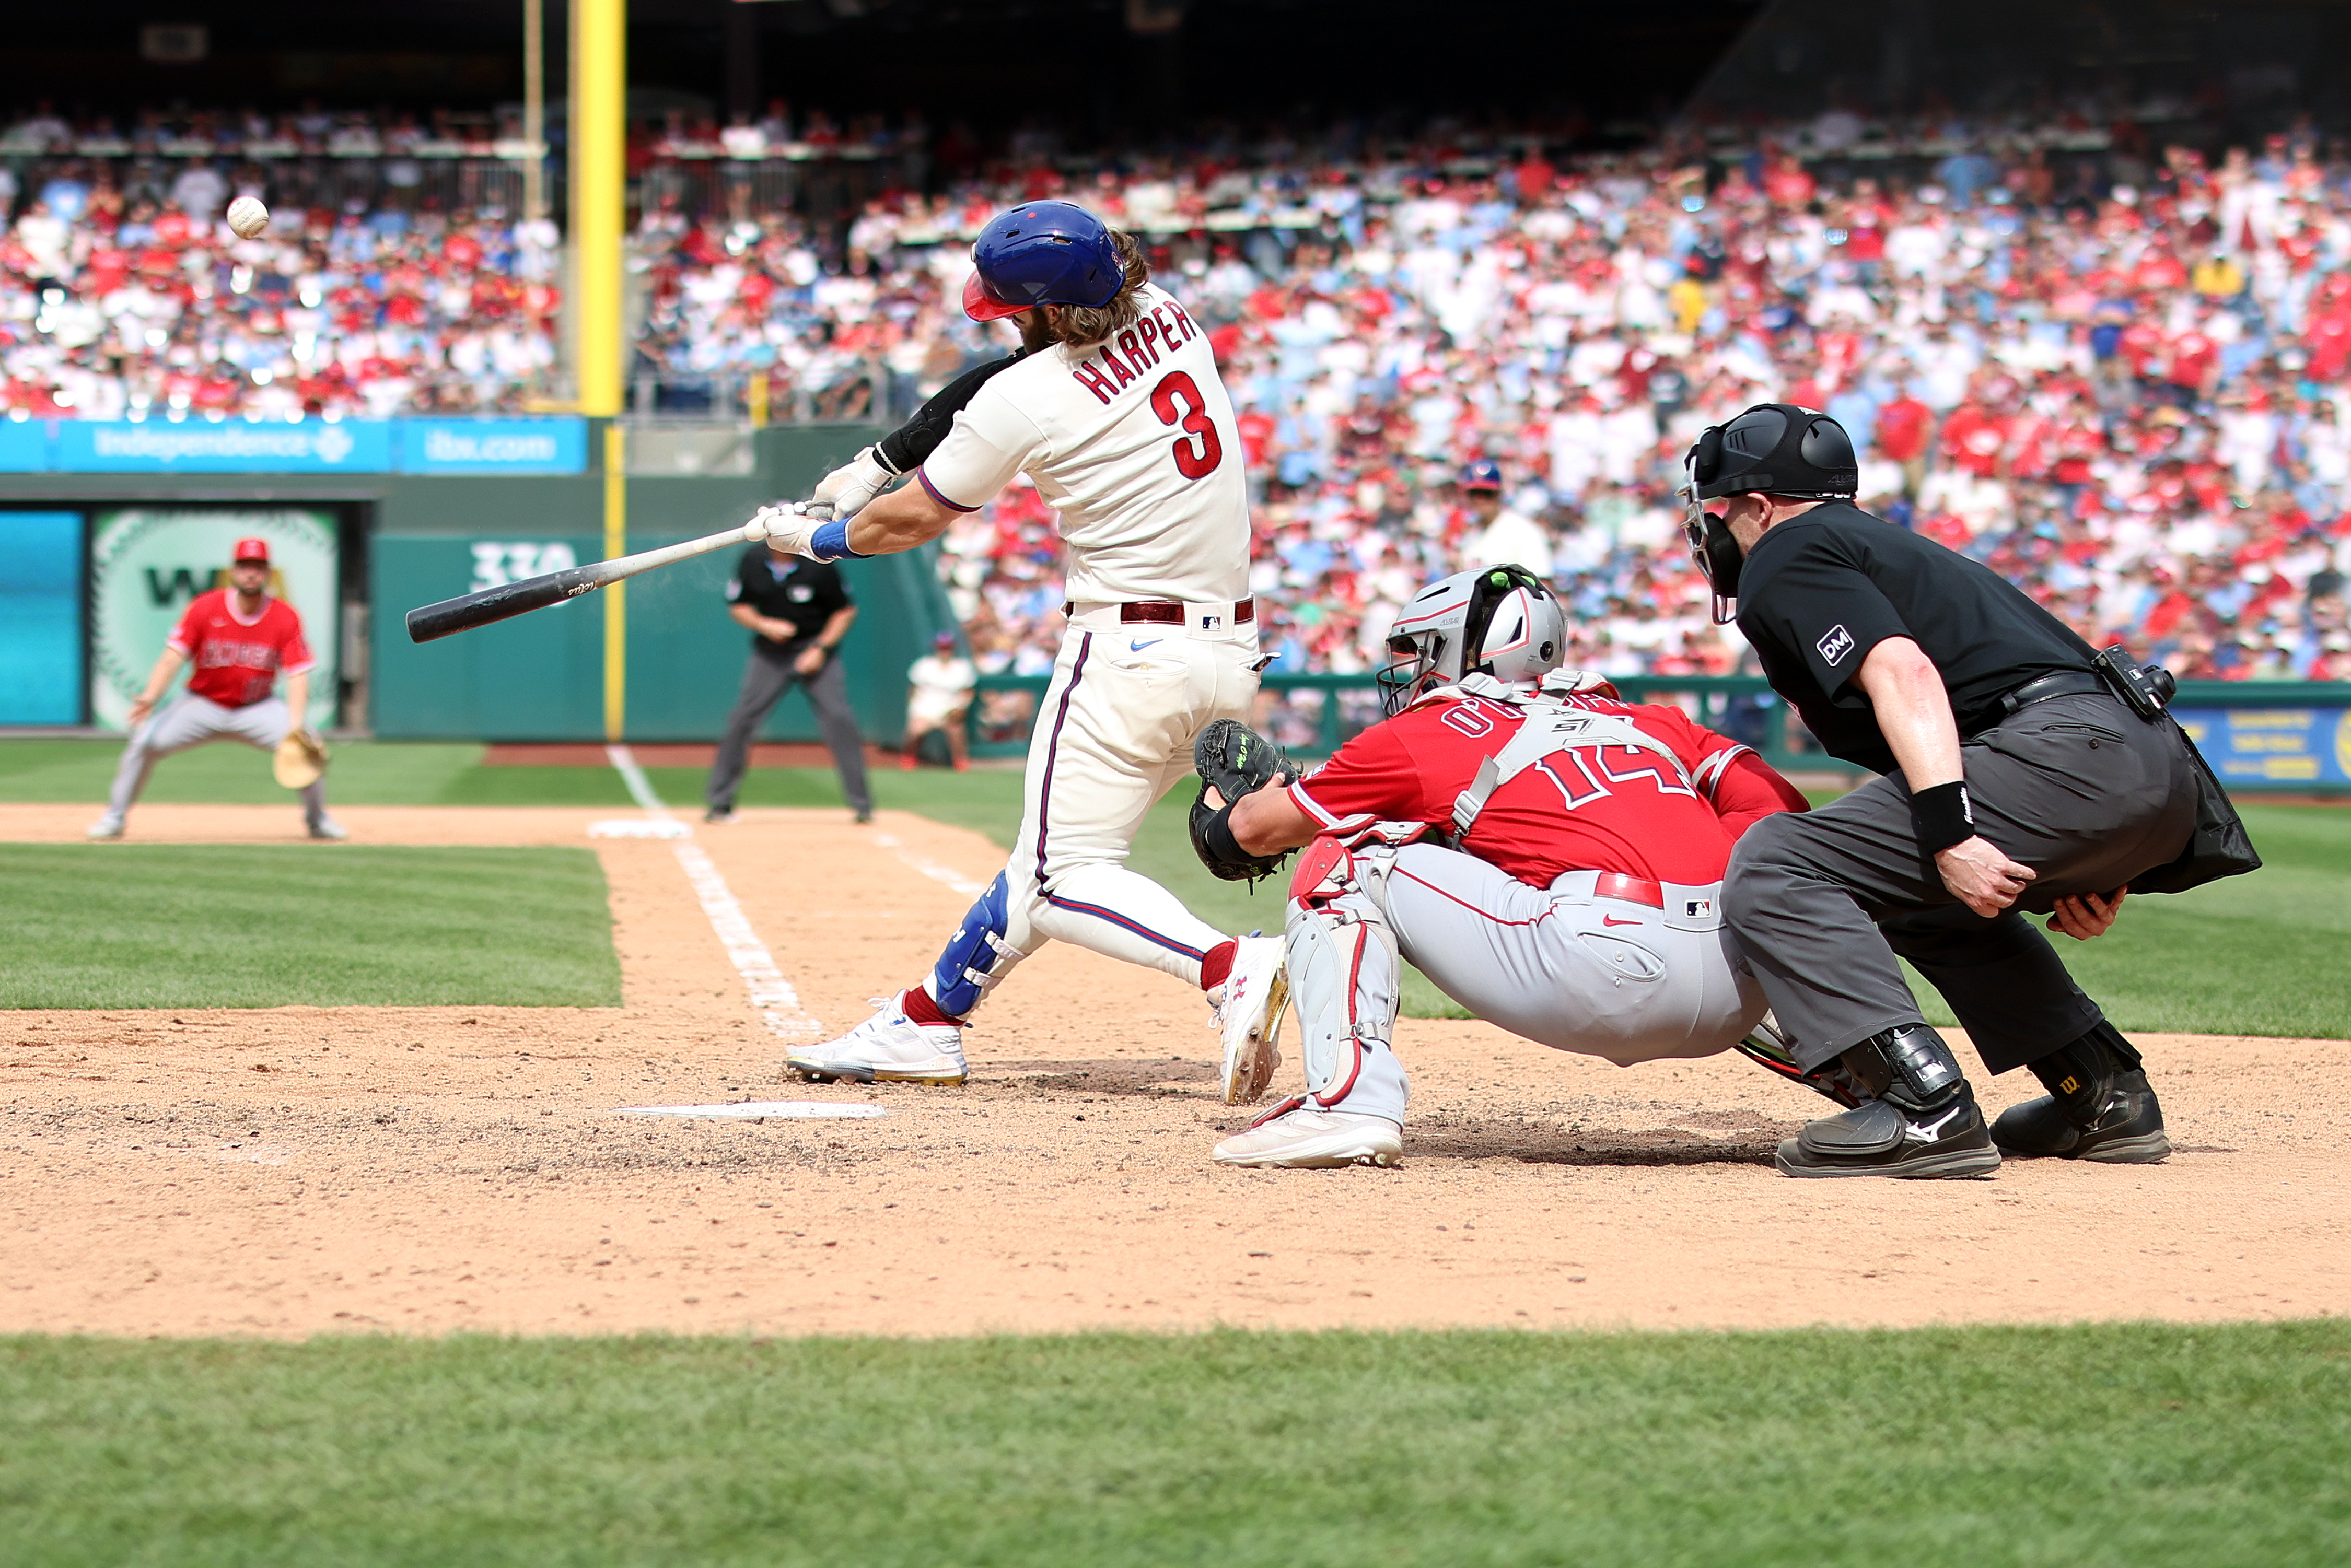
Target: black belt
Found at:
2040, 689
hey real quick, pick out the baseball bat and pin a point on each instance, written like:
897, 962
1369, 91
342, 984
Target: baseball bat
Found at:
510, 599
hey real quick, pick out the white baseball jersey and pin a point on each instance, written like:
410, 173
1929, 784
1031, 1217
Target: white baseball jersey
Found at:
1133, 441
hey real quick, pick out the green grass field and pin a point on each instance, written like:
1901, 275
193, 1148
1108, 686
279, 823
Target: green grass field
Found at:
2258, 954
2108, 1447
234, 925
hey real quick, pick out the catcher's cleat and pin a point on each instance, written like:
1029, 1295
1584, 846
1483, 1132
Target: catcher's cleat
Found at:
1305, 1138
1249, 1015
718, 815
1768, 1049
888, 1047
2098, 1106
105, 831
330, 831
1922, 1122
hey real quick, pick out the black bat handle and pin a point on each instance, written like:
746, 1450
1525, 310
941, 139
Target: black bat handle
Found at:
432, 622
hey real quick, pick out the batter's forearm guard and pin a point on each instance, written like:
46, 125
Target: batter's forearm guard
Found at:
903, 450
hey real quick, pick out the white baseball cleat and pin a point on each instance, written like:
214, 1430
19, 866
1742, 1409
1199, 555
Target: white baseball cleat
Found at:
329, 829
1307, 1137
1249, 1005
104, 831
888, 1047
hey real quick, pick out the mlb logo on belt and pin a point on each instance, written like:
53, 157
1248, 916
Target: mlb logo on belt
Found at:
1210, 623
1835, 645
1697, 908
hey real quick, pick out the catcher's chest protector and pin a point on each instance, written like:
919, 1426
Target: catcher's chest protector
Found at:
1552, 726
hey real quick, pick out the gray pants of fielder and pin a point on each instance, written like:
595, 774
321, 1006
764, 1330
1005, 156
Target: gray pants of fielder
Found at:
766, 677
2079, 789
190, 720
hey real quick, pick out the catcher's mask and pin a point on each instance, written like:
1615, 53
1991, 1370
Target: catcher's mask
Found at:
1500, 621
1775, 448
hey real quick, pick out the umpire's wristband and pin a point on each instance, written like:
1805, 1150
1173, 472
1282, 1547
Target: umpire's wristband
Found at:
1942, 816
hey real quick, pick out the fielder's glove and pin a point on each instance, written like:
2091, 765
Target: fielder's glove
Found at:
848, 488
1235, 760
300, 758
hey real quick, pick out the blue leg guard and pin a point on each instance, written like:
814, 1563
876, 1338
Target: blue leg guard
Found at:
977, 956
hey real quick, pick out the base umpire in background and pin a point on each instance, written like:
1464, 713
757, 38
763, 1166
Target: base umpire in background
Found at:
797, 612
2016, 777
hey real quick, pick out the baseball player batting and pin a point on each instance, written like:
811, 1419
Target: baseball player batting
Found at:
240, 640
1113, 408
1549, 856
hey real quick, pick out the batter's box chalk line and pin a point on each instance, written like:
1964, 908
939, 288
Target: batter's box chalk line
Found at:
764, 1110
778, 1004
640, 828
931, 868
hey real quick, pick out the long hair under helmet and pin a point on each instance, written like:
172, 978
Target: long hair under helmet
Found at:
1773, 448
1500, 621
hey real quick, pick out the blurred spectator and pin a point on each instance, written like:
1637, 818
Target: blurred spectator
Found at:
938, 694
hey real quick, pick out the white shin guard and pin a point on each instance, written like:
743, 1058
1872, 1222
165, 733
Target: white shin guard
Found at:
1344, 974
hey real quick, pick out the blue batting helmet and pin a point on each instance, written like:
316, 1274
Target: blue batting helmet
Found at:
1041, 253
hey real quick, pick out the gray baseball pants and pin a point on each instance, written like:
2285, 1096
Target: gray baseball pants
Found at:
190, 720
1600, 975
2079, 789
766, 677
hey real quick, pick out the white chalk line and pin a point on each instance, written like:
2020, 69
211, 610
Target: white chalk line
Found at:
931, 868
778, 1004
764, 1110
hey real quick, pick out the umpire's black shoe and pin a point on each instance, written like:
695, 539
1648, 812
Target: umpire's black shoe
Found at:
1878, 1138
1921, 1122
2125, 1128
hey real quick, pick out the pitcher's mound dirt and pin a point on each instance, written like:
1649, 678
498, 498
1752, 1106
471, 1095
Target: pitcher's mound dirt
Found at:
294, 1170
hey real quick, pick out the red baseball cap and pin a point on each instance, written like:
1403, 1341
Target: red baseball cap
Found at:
251, 549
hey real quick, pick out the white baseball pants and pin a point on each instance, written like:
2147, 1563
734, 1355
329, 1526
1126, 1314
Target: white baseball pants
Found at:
1114, 734
190, 720
1604, 976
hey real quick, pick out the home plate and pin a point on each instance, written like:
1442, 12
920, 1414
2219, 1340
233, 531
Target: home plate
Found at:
638, 828
761, 1110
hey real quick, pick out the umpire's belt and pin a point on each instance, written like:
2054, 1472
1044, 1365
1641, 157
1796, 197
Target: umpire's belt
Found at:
1167, 612
2040, 689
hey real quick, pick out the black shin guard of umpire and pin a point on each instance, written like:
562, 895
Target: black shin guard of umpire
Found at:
1908, 1067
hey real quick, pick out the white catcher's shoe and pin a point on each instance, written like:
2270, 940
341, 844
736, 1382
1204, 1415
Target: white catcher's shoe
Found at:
1308, 1137
888, 1047
1249, 1015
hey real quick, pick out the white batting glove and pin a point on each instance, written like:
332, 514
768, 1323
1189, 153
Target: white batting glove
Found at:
848, 488
788, 529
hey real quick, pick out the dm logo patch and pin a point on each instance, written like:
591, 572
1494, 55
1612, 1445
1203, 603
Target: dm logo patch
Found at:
1835, 645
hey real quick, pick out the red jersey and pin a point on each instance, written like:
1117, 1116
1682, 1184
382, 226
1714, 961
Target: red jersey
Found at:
1601, 808
237, 660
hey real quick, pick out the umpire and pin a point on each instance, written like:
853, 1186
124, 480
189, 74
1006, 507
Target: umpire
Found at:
2015, 778
797, 612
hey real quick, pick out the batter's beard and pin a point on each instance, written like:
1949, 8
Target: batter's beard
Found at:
1037, 334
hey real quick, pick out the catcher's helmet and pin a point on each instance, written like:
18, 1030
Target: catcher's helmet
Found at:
1500, 621
1041, 253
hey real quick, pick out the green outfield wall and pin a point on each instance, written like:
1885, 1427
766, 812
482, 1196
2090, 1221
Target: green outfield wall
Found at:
407, 539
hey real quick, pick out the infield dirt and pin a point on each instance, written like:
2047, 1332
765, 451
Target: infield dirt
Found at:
299, 1170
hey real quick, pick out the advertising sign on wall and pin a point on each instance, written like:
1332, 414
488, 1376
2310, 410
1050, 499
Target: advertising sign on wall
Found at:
40, 618
231, 447
148, 563
494, 446
2273, 745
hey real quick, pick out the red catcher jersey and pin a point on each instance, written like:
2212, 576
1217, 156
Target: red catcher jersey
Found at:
236, 661
1601, 808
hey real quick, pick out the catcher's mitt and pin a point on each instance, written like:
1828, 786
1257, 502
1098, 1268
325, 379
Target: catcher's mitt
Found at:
1236, 761
301, 758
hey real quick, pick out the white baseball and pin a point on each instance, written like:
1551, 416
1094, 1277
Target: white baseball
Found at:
248, 218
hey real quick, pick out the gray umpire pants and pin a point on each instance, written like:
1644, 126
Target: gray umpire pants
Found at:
190, 720
2079, 789
766, 677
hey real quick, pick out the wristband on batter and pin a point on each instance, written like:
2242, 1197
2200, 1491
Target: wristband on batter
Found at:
1942, 816
830, 542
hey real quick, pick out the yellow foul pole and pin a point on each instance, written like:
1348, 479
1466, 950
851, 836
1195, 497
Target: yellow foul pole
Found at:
598, 199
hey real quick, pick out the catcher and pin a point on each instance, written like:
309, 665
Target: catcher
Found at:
1549, 855
240, 640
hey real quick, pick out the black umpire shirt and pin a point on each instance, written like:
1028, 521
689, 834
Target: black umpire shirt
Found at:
1818, 592
802, 591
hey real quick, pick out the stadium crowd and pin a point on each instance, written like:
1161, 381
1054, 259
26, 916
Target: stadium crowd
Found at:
2128, 396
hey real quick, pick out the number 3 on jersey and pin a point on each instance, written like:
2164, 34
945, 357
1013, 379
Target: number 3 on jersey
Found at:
1177, 396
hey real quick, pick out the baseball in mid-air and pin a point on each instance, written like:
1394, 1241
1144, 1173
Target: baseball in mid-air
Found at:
248, 218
